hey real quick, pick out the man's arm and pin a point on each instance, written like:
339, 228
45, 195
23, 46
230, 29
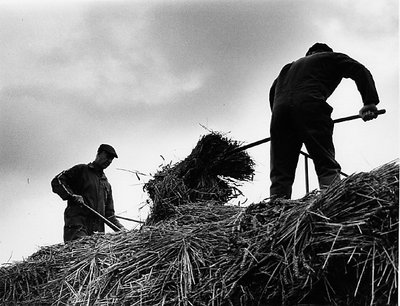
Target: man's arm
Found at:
61, 185
350, 68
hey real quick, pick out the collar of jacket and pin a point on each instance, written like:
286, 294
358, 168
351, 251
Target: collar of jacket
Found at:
98, 171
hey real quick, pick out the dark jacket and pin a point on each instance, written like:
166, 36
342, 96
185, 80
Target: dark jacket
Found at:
315, 77
93, 186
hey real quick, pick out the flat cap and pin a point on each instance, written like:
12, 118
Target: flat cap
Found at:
107, 148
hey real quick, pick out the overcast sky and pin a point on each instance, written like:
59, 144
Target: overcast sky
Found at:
147, 77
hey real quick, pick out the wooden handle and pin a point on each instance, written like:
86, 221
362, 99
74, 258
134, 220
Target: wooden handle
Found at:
256, 143
106, 221
379, 112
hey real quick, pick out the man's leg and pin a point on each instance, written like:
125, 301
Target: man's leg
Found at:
284, 154
320, 146
73, 232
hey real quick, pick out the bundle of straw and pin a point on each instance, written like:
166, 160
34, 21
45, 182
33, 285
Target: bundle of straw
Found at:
211, 172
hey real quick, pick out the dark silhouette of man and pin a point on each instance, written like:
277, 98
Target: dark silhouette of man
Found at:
87, 184
300, 114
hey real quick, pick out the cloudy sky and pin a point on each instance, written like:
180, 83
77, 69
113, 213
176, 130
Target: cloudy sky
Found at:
148, 77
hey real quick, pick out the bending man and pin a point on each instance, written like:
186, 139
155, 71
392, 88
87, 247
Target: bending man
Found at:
300, 114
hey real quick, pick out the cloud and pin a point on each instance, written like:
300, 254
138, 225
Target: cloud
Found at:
127, 66
363, 19
103, 52
226, 35
368, 26
232, 43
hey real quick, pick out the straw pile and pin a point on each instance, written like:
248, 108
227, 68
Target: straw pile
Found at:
337, 247
168, 264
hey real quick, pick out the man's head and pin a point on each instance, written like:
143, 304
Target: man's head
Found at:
318, 47
105, 156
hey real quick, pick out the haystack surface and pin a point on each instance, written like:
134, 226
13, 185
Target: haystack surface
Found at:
338, 247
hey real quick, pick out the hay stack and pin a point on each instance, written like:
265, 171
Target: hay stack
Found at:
337, 247
168, 264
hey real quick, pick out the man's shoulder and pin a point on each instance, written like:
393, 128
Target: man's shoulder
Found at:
79, 168
334, 55
285, 68
321, 58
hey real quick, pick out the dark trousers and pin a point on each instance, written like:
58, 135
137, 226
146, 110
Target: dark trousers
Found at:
291, 126
73, 232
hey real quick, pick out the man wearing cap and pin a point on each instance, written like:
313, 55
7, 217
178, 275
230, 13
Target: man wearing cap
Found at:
87, 184
300, 114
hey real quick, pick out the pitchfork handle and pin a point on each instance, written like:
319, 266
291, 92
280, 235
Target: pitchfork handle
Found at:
379, 112
106, 221
256, 143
